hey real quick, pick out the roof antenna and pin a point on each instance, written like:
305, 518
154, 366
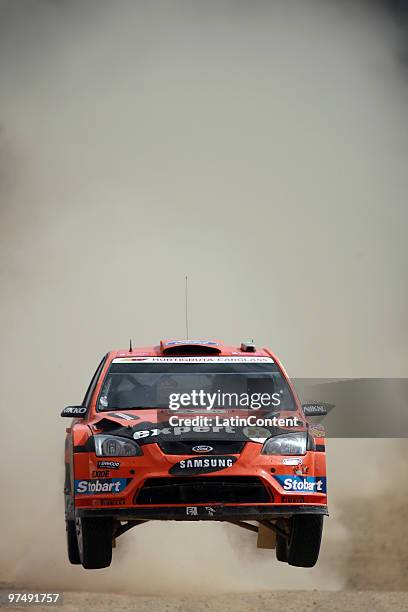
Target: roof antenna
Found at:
130, 346
186, 292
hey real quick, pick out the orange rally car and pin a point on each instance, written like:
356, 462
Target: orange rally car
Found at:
192, 431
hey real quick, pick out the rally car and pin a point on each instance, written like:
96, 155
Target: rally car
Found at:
191, 431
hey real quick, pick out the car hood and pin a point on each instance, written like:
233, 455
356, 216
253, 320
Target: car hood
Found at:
153, 426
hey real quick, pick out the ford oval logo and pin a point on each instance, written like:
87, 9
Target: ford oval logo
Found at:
202, 449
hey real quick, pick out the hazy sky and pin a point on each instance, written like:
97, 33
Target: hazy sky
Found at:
260, 148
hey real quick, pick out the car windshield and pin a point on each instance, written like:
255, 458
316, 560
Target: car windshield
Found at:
195, 383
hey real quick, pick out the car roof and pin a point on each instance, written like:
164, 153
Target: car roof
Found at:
193, 347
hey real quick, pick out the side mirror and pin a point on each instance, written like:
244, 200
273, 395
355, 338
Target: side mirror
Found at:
316, 409
74, 412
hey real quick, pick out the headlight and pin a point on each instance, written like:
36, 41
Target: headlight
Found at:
287, 444
114, 446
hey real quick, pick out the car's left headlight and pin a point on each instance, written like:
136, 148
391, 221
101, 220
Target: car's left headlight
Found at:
286, 444
115, 446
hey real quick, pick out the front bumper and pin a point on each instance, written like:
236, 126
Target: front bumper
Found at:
128, 505
216, 512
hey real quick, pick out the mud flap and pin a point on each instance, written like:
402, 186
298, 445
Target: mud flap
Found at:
266, 537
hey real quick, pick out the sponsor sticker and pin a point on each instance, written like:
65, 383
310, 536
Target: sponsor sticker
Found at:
109, 465
75, 410
193, 360
256, 434
100, 473
112, 502
292, 500
202, 465
184, 342
292, 461
181, 430
210, 510
306, 484
106, 485
122, 415
317, 430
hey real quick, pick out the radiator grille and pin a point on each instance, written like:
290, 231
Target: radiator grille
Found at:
186, 447
195, 490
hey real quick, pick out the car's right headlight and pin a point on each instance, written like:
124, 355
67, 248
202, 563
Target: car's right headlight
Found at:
286, 444
114, 446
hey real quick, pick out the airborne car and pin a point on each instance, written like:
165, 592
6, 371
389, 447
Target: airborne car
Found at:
193, 431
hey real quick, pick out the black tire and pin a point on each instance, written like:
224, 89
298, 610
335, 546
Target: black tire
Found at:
281, 549
281, 544
304, 541
95, 542
72, 543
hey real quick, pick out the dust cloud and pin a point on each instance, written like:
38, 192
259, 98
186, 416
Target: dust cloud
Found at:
260, 148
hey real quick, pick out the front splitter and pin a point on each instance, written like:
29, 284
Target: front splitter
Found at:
216, 512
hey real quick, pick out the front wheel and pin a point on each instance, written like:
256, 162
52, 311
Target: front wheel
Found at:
281, 543
304, 540
95, 542
72, 543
